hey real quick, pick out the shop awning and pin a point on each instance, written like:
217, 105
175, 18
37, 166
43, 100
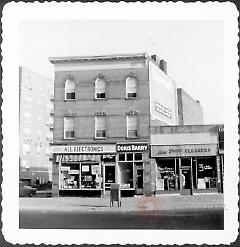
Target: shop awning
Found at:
78, 157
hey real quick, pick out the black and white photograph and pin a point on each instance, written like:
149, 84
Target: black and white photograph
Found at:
113, 123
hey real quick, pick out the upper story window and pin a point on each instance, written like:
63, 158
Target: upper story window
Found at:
100, 127
70, 89
131, 87
132, 126
69, 128
100, 88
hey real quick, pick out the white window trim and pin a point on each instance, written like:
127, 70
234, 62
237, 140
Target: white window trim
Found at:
96, 98
131, 97
66, 90
64, 129
132, 137
95, 129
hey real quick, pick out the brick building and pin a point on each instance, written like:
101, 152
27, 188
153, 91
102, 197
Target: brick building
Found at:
104, 107
35, 126
190, 111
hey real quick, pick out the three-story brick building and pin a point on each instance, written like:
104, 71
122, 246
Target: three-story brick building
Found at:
104, 107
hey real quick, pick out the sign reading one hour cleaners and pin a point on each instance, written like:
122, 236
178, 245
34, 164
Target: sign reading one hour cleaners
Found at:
133, 147
184, 150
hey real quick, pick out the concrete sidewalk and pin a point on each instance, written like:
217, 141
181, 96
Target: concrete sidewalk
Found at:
136, 203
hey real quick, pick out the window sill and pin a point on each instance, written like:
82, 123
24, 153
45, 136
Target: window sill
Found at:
96, 99
131, 98
133, 137
67, 100
100, 138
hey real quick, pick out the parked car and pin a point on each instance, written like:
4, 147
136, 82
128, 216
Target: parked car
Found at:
26, 190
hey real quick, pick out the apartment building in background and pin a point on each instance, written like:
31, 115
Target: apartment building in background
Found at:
35, 127
104, 108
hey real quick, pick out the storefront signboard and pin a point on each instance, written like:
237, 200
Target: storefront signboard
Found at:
184, 150
132, 147
84, 149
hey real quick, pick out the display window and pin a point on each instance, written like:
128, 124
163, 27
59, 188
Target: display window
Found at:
168, 174
206, 173
69, 176
127, 163
91, 175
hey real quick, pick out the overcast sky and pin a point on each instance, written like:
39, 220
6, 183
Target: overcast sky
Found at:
193, 50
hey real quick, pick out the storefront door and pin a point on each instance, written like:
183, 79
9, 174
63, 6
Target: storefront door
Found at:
139, 182
109, 175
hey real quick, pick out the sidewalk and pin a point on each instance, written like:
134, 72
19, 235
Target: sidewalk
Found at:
137, 203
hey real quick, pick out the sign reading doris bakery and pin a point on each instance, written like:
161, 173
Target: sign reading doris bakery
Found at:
133, 147
184, 150
86, 149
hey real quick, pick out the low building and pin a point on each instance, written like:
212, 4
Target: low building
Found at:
189, 158
35, 127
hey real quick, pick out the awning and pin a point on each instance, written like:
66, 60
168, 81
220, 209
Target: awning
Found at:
77, 157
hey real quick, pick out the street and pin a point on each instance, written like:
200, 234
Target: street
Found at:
182, 220
160, 212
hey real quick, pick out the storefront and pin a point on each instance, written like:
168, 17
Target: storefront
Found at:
83, 169
130, 167
187, 160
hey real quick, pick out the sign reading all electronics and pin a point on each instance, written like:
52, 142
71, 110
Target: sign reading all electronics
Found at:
84, 149
133, 147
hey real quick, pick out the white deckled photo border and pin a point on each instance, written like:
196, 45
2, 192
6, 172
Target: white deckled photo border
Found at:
12, 14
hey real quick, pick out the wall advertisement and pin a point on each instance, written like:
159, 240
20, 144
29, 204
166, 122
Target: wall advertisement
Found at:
163, 105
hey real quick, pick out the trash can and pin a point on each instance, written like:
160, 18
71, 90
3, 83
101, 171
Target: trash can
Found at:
115, 194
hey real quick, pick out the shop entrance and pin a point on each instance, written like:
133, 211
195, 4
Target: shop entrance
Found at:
109, 175
139, 182
186, 176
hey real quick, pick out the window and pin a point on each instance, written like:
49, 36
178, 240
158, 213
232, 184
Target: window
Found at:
26, 149
100, 87
100, 128
28, 101
69, 89
69, 128
131, 87
132, 127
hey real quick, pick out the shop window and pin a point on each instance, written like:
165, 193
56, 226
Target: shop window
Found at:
70, 89
167, 175
121, 157
91, 176
69, 128
138, 156
132, 127
100, 88
129, 157
131, 87
69, 178
100, 128
206, 173
126, 175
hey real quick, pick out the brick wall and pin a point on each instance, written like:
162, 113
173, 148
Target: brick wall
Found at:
189, 110
115, 104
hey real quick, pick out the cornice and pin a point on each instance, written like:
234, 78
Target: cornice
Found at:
77, 59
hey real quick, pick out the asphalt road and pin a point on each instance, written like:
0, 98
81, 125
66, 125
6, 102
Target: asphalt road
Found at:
204, 219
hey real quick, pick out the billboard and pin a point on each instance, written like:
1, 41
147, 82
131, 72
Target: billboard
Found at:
163, 105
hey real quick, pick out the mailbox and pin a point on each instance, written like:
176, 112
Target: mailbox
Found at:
115, 194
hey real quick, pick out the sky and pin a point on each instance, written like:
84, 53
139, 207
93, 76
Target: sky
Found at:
193, 50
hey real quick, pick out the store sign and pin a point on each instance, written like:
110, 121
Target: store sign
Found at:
84, 149
184, 150
133, 147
